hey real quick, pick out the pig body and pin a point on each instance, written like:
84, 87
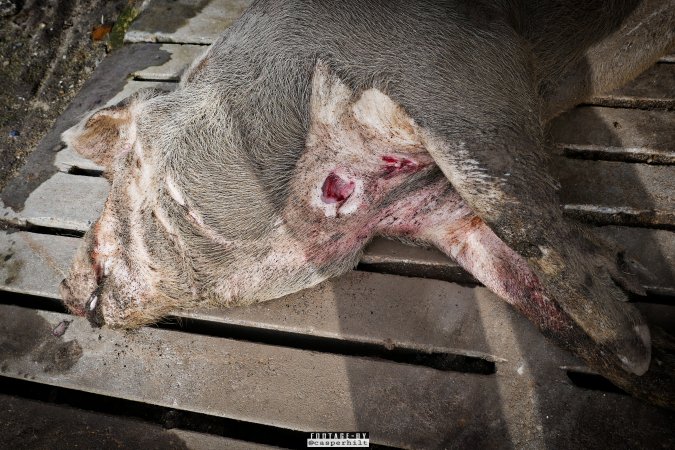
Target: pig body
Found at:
308, 128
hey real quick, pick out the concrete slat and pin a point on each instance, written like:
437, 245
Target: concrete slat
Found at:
619, 134
133, 86
652, 89
66, 201
278, 386
68, 160
39, 425
654, 249
401, 405
185, 21
202, 441
35, 264
171, 70
617, 193
388, 256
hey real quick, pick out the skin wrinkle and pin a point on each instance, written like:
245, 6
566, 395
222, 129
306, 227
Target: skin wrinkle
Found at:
436, 111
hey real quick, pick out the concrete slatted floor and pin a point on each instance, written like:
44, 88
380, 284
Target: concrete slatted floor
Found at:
408, 348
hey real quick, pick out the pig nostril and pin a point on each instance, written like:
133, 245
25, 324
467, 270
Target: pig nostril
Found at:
336, 189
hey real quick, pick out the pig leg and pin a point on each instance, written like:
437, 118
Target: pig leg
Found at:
446, 222
474, 246
513, 194
459, 233
491, 153
485, 133
612, 61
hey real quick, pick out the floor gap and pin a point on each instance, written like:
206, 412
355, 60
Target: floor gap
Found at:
443, 361
74, 170
593, 382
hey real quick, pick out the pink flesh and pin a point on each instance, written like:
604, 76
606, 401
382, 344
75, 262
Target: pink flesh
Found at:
479, 251
454, 229
335, 189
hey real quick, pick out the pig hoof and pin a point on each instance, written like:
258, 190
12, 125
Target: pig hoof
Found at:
635, 357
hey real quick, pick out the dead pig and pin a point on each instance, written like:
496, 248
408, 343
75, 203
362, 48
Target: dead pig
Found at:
308, 128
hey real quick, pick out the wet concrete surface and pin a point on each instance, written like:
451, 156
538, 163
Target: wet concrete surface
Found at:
27, 334
168, 17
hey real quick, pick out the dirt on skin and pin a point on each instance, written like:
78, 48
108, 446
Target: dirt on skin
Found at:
48, 48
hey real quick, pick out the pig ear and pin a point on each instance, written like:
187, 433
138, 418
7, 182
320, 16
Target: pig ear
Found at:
334, 104
103, 135
330, 96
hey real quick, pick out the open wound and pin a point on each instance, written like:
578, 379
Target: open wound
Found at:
336, 189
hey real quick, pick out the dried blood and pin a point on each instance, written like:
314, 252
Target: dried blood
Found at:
394, 166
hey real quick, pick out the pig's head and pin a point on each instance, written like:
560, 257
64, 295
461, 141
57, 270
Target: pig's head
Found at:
124, 270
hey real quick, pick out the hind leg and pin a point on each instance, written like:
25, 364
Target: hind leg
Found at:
510, 192
458, 232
